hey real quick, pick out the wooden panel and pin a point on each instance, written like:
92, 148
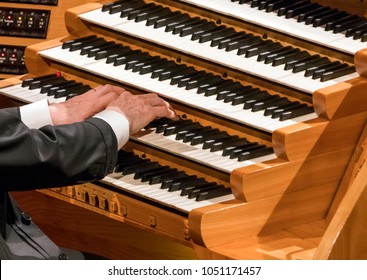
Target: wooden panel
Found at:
72, 226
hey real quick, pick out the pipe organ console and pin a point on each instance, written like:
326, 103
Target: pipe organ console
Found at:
271, 98
26, 22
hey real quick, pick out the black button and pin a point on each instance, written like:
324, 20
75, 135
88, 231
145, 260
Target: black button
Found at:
26, 218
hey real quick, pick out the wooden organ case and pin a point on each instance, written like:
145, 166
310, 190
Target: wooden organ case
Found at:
281, 200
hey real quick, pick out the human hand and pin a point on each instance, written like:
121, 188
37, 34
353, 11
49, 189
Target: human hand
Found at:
140, 110
85, 105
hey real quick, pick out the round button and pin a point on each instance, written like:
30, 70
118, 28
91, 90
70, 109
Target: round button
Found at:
26, 218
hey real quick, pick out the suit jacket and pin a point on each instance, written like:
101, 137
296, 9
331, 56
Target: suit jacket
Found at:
53, 155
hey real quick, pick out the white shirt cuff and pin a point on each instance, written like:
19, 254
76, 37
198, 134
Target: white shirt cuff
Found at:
119, 123
36, 115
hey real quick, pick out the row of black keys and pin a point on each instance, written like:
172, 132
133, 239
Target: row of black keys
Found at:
187, 77
194, 133
220, 36
54, 85
170, 179
314, 14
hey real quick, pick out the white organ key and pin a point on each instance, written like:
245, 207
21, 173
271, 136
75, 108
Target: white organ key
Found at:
212, 159
28, 96
155, 193
163, 88
204, 50
289, 26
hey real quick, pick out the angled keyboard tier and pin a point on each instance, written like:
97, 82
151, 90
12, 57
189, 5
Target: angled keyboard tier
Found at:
267, 129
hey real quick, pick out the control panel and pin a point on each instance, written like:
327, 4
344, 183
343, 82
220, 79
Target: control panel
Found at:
12, 59
28, 22
24, 22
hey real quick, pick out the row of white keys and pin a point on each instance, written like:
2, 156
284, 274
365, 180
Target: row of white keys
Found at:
196, 152
162, 196
290, 26
163, 88
203, 50
27, 95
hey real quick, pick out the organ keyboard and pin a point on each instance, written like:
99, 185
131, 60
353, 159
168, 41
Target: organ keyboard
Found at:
267, 125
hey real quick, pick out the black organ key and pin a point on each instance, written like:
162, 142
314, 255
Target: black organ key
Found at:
40, 83
263, 104
291, 107
277, 5
332, 24
52, 90
297, 64
261, 151
195, 192
169, 73
166, 176
108, 6
186, 190
305, 64
211, 27
176, 29
303, 110
215, 33
107, 51
338, 73
353, 30
348, 25
94, 51
165, 19
179, 20
312, 18
130, 7
114, 54
27, 82
211, 81
294, 56
327, 18
191, 79
68, 44
118, 6
146, 173
121, 59
150, 66
176, 182
178, 185
45, 88
187, 72
277, 58
76, 46
161, 68
78, 90
142, 66
252, 101
133, 60
219, 191
303, 16
264, 47
91, 45
283, 10
144, 15
66, 90
189, 30
296, 11
234, 152
154, 17
135, 12
222, 43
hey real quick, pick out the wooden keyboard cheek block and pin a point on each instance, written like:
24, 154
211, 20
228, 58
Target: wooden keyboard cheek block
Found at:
360, 61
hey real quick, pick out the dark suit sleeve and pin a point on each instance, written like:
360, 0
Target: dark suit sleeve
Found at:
53, 155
